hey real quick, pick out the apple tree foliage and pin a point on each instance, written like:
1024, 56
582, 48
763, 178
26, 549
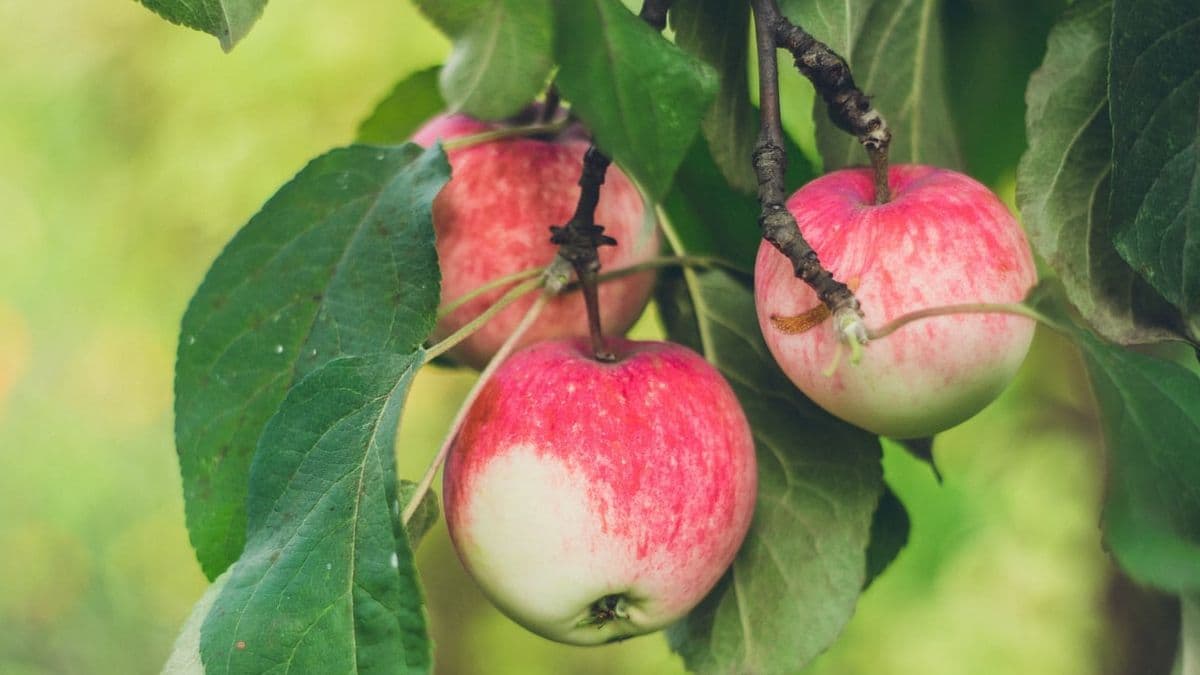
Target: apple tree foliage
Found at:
297, 351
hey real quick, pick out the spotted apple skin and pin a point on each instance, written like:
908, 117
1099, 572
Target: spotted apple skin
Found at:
943, 239
574, 482
493, 218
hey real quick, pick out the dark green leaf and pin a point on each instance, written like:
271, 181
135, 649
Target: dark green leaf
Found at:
1063, 182
424, 518
324, 584
797, 577
898, 58
227, 20
1150, 410
339, 262
889, 534
1154, 90
502, 53
922, 449
712, 219
718, 32
412, 101
642, 97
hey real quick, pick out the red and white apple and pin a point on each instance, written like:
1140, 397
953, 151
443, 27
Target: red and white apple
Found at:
596, 501
492, 219
943, 239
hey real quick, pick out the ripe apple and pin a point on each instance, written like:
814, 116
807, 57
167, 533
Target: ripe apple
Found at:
943, 239
493, 218
596, 501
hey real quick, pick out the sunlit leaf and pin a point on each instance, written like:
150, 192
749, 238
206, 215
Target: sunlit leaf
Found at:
339, 262
324, 584
642, 97
227, 20
1154, 101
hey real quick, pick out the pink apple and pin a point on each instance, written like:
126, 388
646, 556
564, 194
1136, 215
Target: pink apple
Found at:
596, 501
943, 239
493, 217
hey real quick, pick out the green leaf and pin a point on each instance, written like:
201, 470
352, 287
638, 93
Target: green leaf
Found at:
339, 262
718, 32
642, 97
898, 58
413, 101
1150, 411
1154, 91
837, 23
800, 571
1063, 182
502, 53
889, 534
424, 518
713, 219
227, 20
324, 584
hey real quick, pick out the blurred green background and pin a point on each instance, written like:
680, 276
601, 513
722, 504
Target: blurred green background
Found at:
131, 150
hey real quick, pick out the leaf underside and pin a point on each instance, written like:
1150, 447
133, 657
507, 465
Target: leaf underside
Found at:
227, 20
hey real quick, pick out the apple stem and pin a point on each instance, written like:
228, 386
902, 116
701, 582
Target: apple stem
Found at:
967, 308
580, 238
879, 162
831, 77
507, 348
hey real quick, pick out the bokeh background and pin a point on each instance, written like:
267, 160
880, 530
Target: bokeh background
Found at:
131, 150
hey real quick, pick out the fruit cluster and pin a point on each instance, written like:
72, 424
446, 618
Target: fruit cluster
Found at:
597, 500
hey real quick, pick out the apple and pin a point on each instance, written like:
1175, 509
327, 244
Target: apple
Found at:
493, 218
943, 239
595, 501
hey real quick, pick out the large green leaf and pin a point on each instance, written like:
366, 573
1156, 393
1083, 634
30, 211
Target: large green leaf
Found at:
718, 32
413, 101
642, 97
889, 534
897, 57
1063, 182
1150, 411
1189, 638
1154, 100
502, 53
227, 20
325, 585
339, 262
799, 573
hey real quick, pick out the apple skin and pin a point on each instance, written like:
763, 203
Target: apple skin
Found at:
943, 239
493, 218
573, 481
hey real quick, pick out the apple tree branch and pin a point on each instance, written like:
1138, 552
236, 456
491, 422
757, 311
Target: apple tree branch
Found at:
850, 110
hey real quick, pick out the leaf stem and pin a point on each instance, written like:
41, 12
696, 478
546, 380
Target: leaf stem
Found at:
489, 286
440, 458
463, 333
508, 132
1014, 308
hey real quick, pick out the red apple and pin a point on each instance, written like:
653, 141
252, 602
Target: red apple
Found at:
595, 501
943, 239
493, 217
